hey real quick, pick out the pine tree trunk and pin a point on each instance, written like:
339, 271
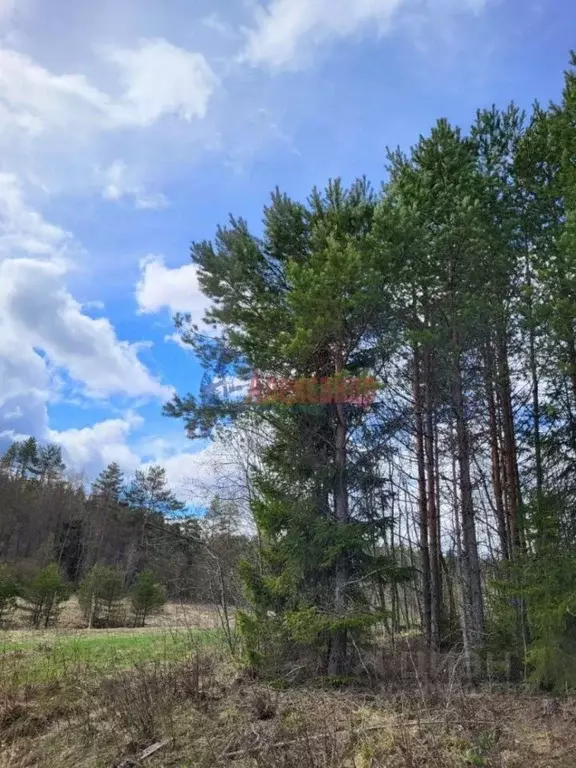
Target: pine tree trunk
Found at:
496, 454
472, 574
509, 441
535, 384
422, 500
432, 512
337, 660
462, 579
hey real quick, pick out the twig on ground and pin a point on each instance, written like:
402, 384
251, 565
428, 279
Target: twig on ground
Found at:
148, 752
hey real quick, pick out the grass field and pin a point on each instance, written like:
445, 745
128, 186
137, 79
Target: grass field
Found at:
38, 657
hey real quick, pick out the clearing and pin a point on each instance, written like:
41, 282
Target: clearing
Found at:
174, 697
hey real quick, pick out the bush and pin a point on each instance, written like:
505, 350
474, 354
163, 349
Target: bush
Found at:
147, 597
44, 595
541, 585
100, 596
8, 593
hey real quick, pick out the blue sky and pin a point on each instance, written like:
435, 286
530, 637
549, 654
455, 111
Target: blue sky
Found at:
130, 129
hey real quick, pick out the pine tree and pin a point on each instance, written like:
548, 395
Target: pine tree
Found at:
149, 491
432, 224
28, 457
100, 596
109, 485
44, 595
307, 302
50, 465
153, 501
10, 457
148, 596
107, 494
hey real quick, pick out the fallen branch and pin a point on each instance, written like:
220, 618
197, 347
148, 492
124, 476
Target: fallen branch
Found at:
130, 762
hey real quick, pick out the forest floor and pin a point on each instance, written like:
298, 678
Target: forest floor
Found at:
173, 697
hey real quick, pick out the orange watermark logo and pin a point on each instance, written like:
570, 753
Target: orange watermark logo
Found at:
352, 390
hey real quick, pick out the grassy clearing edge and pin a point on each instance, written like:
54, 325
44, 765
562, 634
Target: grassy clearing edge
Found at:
29, 658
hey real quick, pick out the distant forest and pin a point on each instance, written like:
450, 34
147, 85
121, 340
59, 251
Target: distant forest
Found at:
130, 524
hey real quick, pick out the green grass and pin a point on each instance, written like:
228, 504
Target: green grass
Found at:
28, 657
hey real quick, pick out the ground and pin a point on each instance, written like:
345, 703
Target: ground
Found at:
172, 695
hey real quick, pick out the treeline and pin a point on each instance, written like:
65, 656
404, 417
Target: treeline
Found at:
455, 287
121, 533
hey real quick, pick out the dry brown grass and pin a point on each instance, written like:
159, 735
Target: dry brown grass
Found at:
172, 615
211, 715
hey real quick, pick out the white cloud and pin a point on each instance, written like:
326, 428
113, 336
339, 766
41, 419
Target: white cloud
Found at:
118, 185
198, 476
24, 230
215, 23
92, 448
37, 310
161, 79
34, 100
176, 289
286, 33
25, 384
44, 330
192, 475
63, 128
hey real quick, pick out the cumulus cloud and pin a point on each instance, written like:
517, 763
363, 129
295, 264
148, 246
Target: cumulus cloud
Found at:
38, 311
193, 475
56, 129
92, 448
286, 33
34, 100
158, 79
63, 127
176, 289
24, 230
25, 383
44, 330
217, 469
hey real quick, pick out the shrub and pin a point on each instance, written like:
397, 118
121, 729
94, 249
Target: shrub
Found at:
539, 588
100, 596
8, 593
43, 596
148, 596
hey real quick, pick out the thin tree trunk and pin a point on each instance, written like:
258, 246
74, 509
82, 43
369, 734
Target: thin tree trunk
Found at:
470, 544
496, 454
461, 565
422, 500
535, 385
509, 440
337, 660
432, 522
